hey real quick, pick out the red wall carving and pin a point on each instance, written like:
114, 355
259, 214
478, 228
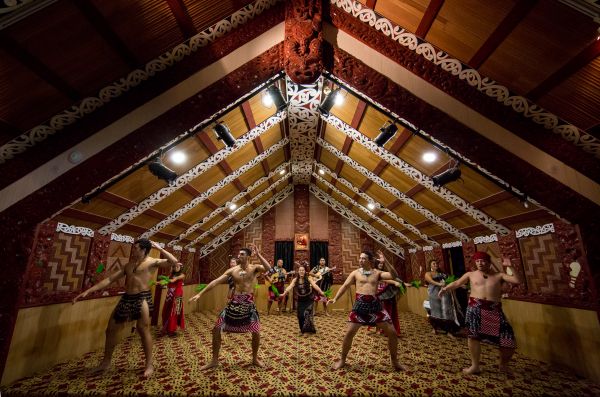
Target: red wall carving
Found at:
303, 40
509, 248
268, 234
335, 245
301, 218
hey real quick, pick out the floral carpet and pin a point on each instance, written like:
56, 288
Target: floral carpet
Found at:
301, 365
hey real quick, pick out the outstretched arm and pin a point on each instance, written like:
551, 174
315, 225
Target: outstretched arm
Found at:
315, 286
169, 260
454, 285
219, 280
102, 284
514, 279
266, 266
430, 280
289, 287
351, 279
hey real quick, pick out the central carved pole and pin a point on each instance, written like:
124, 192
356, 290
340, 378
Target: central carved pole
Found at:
303, 44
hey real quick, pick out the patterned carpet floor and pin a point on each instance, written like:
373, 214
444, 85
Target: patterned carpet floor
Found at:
300, 365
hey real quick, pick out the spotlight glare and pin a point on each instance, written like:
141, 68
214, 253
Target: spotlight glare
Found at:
321, 171
178, 157
232, 206
277, 97
282, 172
339, 99
267, 101
429, 157
371, 206
329, 102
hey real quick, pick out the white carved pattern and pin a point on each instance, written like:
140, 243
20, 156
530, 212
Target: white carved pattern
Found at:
133, 79
235, 199
485, 239
122, 238
428, 248
192, 249
246, 221
417, 175
217, 225
357, 221
303, 115
395, 192
535, 231
452, 244
500, 93
72, 229
386, 211
218, 186
365, 210
193, 173
446, 148
412, 250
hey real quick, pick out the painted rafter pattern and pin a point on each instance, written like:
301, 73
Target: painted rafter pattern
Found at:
217, 225
395, 192
356, 221
246, 221
366, 211
386, 211
472, 77
218, 186
90, 104
235, 199
195, 172
303, 117
417, 175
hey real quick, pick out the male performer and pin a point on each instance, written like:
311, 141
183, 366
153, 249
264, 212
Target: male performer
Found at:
276, 276
240, 314
367, 309
485, 320
136, 304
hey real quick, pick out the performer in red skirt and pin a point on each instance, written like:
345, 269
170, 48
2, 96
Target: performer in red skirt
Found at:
172, 314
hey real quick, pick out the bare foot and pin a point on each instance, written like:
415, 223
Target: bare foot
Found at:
149, 371
258, 363
328, 314
398, 367
210, 365
472, 370
103, 367
451, 335
339, 364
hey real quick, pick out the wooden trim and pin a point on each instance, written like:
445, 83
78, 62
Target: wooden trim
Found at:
429, 17
182, 16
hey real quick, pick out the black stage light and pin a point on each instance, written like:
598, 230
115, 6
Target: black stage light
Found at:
158, 169
450, 175
328, 102
277, 98
224, 134
386, 133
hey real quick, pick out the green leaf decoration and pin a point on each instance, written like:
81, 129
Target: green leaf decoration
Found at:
416, 283
256, 286
328, 293
402, 288
100, 268
451, 278
200, 287
274, 289
163, 278
152, 283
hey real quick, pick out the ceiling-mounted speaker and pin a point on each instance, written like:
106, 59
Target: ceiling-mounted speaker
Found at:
450, 175
158, 169
386, 133
224, 134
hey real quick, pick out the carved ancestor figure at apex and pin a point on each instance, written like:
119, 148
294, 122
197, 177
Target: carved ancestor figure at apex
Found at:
303, 53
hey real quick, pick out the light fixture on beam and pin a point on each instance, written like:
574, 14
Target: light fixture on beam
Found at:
224, 134
386, 133
276, 97
450, 175
158, 169
329, 101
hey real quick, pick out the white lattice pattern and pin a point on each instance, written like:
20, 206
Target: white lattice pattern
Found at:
535, 231
72, 229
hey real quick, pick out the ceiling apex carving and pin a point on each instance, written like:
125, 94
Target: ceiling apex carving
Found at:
303, 45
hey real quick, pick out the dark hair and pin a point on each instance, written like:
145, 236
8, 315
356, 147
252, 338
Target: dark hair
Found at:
369, 254
248, 251
144, 244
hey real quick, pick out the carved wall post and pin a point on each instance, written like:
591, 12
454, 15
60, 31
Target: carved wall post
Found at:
301, 218
303, 46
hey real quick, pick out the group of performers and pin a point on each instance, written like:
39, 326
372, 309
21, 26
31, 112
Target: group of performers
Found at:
373, 306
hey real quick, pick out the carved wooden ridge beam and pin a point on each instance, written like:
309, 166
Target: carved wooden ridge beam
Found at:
417, 175
212, 190
246, 221
236, 198
356, 221
385, 210
365, 210
196, 171
238, 210
107, 94
303, 45
395, 192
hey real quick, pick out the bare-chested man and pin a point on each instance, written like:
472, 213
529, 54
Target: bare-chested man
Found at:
367, 309
240, 314
485, 320
136, 303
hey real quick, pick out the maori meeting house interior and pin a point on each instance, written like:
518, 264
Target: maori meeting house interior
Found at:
424, 129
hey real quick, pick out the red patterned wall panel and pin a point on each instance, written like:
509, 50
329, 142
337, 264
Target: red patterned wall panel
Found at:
301, 218
420, 266
351, 247
97, 266
468, 248
219, 261
42, 250
543, 269
253, 234
118, 257
268, 234
334, 221
204, 270
366, 242
509, 248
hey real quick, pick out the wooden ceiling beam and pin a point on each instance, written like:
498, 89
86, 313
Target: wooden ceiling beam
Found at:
582, 59
492, 199
116, 199
14, 49
102, 26
371, 4
505, 27
183, 18
429, 17
359, 113
192, 191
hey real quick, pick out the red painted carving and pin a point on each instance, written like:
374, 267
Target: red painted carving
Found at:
468, 251
268, 234
301, 218
420, 267
303, 40
98, 255
438, 254
509, 248
335, 245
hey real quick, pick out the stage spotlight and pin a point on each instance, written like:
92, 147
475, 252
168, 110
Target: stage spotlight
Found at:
450, 175
329, 102
277, 97
158, 169
386, 133
224, 134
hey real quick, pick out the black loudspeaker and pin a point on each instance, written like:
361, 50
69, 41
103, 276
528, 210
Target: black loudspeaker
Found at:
159, 170
447, 176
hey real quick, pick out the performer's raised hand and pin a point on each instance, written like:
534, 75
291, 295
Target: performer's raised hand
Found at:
331, 302
82, 295
195, 297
